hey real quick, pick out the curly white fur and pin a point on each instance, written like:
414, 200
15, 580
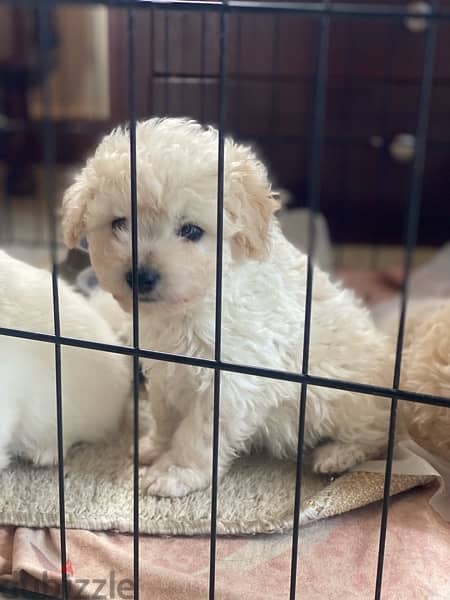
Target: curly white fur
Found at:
95, 385
264, 280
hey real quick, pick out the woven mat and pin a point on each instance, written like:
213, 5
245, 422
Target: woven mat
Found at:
255, 497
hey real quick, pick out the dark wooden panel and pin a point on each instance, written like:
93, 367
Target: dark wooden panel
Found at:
285, 46
437, 183
442, 63
270, 46
364, 194
371, 109
374, 49
372, 90
185, 43
299, 43
288, 163
188, 43
254, 33
378, 48
440, 113
194, 97
254, 108
367, 109
294, 101
262, 108
119, 73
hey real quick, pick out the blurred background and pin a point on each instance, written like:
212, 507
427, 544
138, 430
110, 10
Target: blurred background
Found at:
372, 94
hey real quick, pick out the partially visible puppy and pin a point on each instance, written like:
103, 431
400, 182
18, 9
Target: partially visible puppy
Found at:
95, 385
264, 280
426, 369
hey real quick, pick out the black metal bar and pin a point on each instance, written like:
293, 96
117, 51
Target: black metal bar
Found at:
313, 203
337, 384
218, 307
182, 93
214, 486
203, 67
411, 236
275, 86
341, 10
381, 153
345, 166
166, 64
49, 153
152, 72
134, 262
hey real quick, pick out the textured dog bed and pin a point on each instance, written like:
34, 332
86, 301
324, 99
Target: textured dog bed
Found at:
255, 497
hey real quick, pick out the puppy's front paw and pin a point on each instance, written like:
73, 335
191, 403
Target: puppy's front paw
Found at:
168, 479
337, 457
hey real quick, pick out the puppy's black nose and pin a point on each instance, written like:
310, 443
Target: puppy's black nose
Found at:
147, 279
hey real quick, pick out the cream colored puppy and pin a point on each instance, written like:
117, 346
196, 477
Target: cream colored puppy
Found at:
95, 385
425, 369
263, 307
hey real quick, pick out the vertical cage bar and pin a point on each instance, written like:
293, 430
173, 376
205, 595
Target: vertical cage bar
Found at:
218, 312
345, 166
203, 67
49, 155
238, 72
152, 93
166, 62
184, 21
275, 91
410, 242
381, 159
134, 259
313, 203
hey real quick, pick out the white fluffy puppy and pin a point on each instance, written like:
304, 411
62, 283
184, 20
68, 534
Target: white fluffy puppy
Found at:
263, 307
95, 385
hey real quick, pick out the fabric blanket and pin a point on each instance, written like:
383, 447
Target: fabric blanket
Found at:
337, 559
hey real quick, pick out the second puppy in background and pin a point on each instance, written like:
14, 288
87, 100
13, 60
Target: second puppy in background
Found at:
425, 369
264, 280
95, 385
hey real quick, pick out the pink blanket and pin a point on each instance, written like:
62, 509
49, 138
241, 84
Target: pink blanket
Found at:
337, 559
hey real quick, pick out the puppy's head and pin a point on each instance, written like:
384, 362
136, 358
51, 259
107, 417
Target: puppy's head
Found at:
177, 170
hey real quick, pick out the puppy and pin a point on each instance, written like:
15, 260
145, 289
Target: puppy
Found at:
264, 280
425, 369
95, 385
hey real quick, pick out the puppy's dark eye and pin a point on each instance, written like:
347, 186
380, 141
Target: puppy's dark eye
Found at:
190, 232
119, 224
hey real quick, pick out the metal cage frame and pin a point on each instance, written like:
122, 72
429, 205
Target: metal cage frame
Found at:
324, 11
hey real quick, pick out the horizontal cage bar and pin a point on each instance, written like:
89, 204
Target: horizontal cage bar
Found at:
358, 388
312, 9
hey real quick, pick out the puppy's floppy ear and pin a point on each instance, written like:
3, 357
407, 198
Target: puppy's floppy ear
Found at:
250, 202
74, 207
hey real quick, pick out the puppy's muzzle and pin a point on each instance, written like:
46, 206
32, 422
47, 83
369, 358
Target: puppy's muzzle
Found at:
147, 280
